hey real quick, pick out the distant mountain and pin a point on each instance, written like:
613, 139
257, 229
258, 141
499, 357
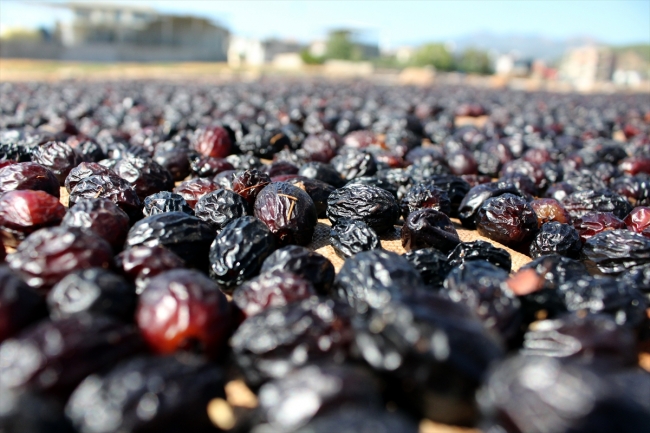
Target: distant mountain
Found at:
527, 46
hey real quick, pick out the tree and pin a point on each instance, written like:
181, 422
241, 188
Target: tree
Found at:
340, 45
473, 61
435, 55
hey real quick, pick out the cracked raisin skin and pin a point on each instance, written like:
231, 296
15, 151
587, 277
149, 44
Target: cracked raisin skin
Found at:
249, 183
192, 190
183, 309
425, 196
112, 187
594, 339
279, 340
101, 216
212, 141
139, 264
85, 170
186, 236
615, 251
20, 305
270, 290
374, 206
556, 238
165, 201
303, 262
288, 212
349, 237
432, 265
480, 250
238, 251
95, 291
507, 219
371, 279
52, 357
426, 228
220, 207
28, 176
49, 254
145, 175
604, 200
353, 163
163, 394
429, 348
22, 212
58, 157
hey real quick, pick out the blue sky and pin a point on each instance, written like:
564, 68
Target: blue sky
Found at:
392, 23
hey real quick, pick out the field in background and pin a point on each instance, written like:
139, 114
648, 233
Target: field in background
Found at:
19, 70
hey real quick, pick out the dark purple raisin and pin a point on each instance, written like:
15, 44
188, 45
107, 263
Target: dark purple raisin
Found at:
20, 305
507, 219
480, 250
604, 200
220, 207
28, 175
192, 190
145, 175
427, 228
101, 216
374, 206
556, 238
24, 211
303, 262
249, 183
349, 237
112, 187
425, 196
165, 201
58, 157
614, 251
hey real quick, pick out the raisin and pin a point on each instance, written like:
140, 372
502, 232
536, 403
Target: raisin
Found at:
396, 181
49, 254
559, 191
317, 190
350, 419
165, 201
455, 187
244, 162
212, 141
175, 161
584, 179
321, 147
280, 168
249, 183
548, 209
479, 285
349, 237
480, 250
53, 357
475, 197
24, 211
220, 207
20, 305
288, 212
96, 291
507, 219
238, 251
192, 190
264, 143
429, 228
323, 172
303, 262
430, 348
635, 188
373, 278
355, 387
182, 309
139, 264
145, 175
32, 412
531, 170
111, 187
635, 164
83, 171
352, 164
462, 162
639, 220
58, 157
145, 394
510, 403
431, 263
614, 251
269, 290
186, 236
374, 206
592, 223
425, 196
604, 200
279, 340
605, 295
101, 216
28, 175
595, 339
556, 238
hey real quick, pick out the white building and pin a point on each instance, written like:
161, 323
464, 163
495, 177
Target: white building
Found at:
254, 52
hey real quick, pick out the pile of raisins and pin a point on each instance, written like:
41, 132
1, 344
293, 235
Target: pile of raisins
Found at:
159, 272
